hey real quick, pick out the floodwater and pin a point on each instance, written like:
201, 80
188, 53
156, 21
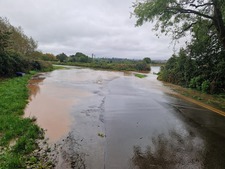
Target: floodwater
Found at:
114, 120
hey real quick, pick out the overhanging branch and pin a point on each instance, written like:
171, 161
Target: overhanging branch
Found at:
197, 6
188, 11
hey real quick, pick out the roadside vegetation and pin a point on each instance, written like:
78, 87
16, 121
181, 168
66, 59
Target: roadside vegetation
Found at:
80, 59
17, 51
216, 100
19, 136
200, 65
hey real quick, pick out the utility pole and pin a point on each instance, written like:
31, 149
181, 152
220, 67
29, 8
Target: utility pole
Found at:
92, 57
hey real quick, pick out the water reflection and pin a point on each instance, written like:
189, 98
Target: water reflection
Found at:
170, 152
179, 151
127, 73
34, 87
155, 69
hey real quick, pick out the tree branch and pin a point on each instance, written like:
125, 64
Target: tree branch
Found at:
189, 11
187, 28
197, 6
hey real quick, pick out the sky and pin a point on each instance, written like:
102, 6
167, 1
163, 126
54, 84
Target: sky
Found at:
101, 27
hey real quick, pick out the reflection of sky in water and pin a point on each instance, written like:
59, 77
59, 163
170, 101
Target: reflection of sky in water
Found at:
155, 69
188, 145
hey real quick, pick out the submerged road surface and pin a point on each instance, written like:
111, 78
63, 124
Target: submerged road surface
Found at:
114, 120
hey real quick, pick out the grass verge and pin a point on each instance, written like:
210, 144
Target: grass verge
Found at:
18, 135
215, 103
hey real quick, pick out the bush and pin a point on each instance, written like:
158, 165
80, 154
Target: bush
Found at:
196, 83
41, 65
11, 62
205, 86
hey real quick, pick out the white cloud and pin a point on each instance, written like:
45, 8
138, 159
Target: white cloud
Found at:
89, 26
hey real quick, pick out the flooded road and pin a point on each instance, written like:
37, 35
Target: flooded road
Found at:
114, 120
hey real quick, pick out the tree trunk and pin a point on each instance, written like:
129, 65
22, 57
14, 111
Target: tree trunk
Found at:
218, 22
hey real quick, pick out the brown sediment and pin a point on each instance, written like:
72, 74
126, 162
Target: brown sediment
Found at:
52, 115
51, 106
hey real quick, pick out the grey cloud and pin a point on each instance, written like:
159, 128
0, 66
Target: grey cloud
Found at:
102, 27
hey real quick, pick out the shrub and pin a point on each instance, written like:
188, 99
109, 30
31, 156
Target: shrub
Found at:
41, 65
196, 83
10, 63
205, 86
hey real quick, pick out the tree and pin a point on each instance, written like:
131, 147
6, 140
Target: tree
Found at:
79, 57
179, 16
17, 41
147, 60
62, 57
4, 40
48, 57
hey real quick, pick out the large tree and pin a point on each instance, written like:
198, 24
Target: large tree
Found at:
14, 39
179, 16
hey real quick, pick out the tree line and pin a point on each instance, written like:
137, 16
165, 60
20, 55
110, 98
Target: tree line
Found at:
121, 64
16, 51
201, 64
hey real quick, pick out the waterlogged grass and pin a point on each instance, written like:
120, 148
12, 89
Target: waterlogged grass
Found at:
17, 135
140, 75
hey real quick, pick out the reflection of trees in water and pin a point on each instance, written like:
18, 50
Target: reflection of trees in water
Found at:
177, 152
34, 87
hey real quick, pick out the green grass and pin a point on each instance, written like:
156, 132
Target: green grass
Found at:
140, 75
57, 67
13, 128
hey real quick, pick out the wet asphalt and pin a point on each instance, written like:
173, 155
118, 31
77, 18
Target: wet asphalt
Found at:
123, 122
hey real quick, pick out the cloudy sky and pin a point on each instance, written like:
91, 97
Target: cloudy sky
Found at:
102, 27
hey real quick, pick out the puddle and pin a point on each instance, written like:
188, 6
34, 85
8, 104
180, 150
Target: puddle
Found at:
54, 96
51, 105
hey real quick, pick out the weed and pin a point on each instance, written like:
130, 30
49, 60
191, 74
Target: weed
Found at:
140, 75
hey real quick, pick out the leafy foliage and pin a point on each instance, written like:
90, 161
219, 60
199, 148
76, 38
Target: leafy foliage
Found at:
62, 57
17, 51
201, 65
179, 16
147, 60
14, 39
197, 67
80, 57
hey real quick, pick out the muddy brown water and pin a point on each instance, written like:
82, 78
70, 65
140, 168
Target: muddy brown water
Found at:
114, 120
